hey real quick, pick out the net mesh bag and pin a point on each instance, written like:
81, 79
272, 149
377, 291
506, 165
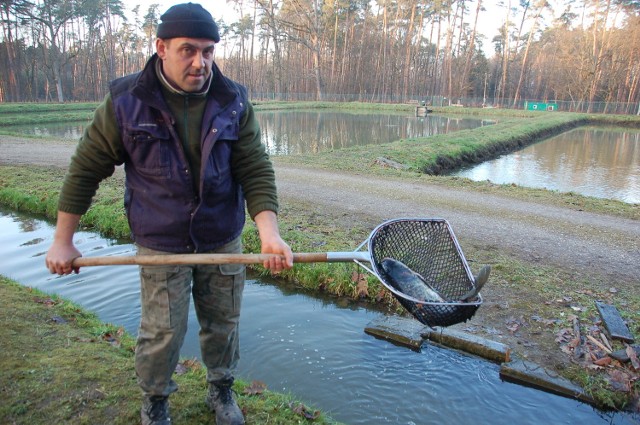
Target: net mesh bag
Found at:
429, 248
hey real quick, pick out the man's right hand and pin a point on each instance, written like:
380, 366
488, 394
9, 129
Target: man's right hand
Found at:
60, 256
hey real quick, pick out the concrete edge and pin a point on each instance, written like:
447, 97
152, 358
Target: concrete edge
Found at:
397, 330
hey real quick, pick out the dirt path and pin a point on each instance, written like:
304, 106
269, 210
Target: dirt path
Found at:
18, 151
574, 240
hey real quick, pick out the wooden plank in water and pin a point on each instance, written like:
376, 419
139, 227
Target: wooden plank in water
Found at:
399, 330
469, 343
535, 376
613, 322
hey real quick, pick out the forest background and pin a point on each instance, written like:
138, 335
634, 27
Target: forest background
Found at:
580, 55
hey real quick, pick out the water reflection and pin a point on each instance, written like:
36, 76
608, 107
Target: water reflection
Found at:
299, 132
65, 130
296, 132
308, 346
599, 162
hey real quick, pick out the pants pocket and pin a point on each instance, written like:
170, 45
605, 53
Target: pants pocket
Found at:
164, 296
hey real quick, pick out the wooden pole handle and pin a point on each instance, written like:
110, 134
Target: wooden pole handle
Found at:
182, 259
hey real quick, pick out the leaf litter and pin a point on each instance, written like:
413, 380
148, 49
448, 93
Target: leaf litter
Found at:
588, 346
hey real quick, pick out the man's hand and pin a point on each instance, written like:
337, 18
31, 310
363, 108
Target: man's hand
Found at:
59, 259
62, 252
272, 243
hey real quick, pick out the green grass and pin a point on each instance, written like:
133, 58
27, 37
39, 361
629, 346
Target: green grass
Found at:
39, 108
12, 114
61, 365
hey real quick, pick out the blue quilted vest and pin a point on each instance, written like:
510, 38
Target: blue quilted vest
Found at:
163, 211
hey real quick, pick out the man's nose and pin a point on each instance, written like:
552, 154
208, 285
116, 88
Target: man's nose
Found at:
198, 60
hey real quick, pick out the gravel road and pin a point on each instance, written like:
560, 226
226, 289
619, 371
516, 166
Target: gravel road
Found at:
574, 240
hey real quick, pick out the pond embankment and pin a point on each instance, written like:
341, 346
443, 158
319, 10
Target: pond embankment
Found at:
61, 365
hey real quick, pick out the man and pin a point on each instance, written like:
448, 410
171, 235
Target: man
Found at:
192, 155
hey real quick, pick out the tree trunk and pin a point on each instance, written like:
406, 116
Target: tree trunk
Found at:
408, 49
505, 57
470, 51
534, 27
13, 87
599, 50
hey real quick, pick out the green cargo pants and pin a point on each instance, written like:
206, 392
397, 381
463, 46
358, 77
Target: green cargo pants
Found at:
165, 293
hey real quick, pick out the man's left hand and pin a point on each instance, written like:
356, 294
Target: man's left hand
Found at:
272, 243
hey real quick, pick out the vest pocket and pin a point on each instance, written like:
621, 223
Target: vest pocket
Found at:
148, 146
219, 161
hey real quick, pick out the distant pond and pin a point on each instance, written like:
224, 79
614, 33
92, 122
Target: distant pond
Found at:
296, 132
592, 161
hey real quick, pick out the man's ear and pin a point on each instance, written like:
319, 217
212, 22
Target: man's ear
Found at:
161, 48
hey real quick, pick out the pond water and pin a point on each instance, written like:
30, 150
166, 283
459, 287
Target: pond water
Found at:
599, 162
64, 130
314, 348
299, 131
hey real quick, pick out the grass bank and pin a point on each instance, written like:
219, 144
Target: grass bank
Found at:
438, 154
39, 113
61, 365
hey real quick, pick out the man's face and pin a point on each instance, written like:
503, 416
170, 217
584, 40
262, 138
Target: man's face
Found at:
186, 62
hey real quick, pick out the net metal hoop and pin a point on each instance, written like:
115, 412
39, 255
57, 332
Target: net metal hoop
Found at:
430, 248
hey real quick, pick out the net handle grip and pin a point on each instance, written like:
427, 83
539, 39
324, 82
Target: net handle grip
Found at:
185, 259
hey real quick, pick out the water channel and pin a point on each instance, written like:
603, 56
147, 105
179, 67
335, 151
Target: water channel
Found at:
314, 348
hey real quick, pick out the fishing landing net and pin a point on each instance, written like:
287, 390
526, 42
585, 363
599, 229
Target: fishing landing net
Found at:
429, 248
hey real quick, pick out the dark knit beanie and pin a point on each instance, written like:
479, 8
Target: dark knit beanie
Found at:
188, 20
